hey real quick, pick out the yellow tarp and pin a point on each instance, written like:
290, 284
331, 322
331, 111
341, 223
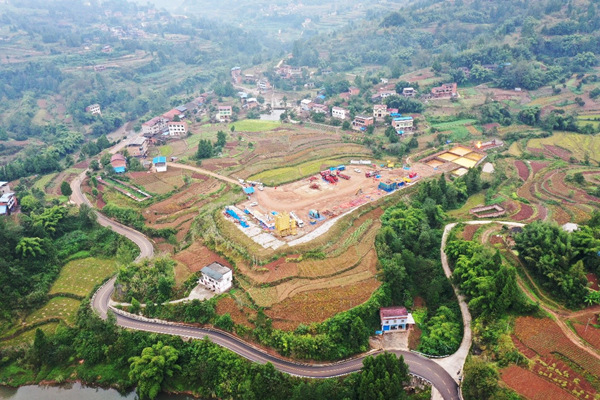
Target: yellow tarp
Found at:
465, 162
448, 157
460, 150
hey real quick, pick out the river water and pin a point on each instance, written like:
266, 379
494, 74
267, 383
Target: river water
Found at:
74, 391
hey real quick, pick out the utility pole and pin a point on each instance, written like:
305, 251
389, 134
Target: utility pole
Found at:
586, 325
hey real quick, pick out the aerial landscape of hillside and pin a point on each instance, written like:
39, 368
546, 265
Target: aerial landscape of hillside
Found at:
300, 200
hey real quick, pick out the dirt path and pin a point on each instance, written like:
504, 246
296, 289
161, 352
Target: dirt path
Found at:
206, 172
558, 317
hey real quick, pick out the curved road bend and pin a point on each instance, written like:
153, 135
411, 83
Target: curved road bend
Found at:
417, 364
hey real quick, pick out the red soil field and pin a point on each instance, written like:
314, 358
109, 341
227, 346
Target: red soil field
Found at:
558, 152
469, 231
524, 213
545, 337
198, 256
538, 165
227, 305
591, 335
522, 169
532, 386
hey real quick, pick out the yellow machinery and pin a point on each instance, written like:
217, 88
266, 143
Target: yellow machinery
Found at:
285, 225
390, 164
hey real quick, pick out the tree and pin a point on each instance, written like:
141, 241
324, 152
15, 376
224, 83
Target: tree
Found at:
481, 380
135, 306
94, 165
221, 139
150, 369
579, 178
382, 377
65, 189
205, 149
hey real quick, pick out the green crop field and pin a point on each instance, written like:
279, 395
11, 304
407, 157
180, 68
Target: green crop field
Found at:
57, 307
44, 181
255, 125
283, 175
458, 129
578, 144
80, 276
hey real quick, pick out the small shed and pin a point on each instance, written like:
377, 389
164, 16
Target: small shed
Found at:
160, 163
119, 163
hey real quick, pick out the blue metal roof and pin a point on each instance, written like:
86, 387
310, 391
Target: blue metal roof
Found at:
159, 159
249, 190
119, 170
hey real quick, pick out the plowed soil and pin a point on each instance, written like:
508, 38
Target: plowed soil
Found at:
531, 386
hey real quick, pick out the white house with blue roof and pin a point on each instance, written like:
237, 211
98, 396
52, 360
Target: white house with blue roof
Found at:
160, 163
216, 277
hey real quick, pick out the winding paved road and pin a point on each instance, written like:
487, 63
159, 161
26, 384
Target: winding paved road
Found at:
417, 364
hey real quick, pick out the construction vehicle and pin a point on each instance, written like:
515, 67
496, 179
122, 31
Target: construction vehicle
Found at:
285, 225
314, 214
407, 180
412, 175
297, 219
370, 174
343, 176
341, 167
312, 178
390, 164
359, 191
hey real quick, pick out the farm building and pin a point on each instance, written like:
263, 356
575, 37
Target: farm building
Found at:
8, 202
395, 319
361, 122
216, 277
403, 123
119, 163
160, 163
138, 147
93, 109
446, 90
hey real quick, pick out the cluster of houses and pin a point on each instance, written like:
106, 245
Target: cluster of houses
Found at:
8, 200
170, 123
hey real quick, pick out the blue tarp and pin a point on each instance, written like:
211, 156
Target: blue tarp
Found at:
249, 190
119, 170
159, 159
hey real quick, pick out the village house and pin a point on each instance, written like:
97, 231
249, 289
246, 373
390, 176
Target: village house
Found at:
93, 109
319, 108
216, 277
160, 163
177, 128
339, 112
224, 113
395, 319
4, 187
409, 92
251, 103
249, 78
138, 147
289, 72
175, 112
361, 122
8, 203
119, 163
380, 111
263, 84
446, 90
153, 127
305, 104
403, 124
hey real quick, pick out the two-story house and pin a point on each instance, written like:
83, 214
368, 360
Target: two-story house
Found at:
216, 277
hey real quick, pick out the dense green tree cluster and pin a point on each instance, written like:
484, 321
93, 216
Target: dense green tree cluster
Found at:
560, 259
489, 284
147, 280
